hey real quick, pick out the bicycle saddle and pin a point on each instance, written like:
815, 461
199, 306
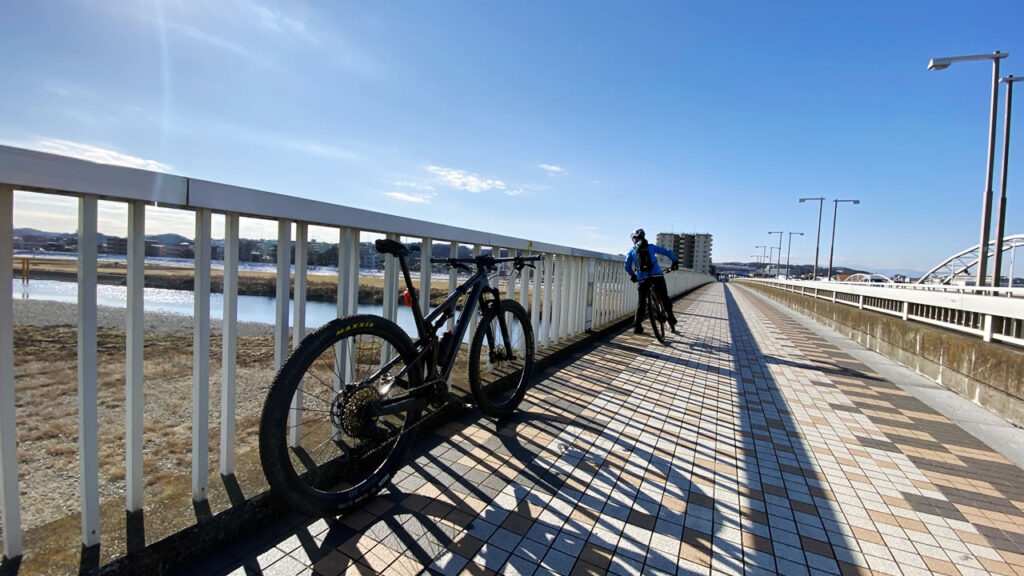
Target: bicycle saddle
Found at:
393, 247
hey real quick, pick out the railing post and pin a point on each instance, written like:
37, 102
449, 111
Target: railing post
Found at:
201, 360
906, 310
589, 282
348, 271
299, 323
88, 422
524, 283
535, 299
10, 513
987, 333
453, 276
558, 299
426, 269
348, 294
574, 294
284, 240
475, 319
229, 346
545, 321
134, 335
860, 301
569, 297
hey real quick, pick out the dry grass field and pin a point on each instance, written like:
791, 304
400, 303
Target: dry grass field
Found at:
47, 423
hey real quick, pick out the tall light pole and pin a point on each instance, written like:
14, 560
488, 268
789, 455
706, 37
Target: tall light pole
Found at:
765, 249
789, 247
831, 251
778, 268
817, 243
986, 199
997, 262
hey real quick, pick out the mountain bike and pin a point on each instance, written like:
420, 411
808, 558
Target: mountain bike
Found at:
343, 409
656, 311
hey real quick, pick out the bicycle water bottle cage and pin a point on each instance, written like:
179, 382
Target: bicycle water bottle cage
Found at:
389, 246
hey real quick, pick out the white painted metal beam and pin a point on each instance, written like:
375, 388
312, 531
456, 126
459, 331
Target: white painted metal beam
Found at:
10, 503
134, 345
298, 324
88, 418
229, 346
201, 360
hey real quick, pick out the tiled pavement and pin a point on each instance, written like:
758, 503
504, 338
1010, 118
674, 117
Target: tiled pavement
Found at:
749, 445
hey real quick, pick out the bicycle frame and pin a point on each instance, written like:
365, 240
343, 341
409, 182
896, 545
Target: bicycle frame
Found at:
427, 342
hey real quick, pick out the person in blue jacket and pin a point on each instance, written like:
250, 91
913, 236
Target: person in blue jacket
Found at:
642, 266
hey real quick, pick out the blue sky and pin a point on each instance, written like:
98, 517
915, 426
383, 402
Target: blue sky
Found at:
566, 122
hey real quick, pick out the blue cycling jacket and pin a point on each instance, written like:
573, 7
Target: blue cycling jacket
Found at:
633, 265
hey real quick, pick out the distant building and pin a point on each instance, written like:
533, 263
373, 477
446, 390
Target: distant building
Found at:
116, 245
153, 248
369, 258
693, 250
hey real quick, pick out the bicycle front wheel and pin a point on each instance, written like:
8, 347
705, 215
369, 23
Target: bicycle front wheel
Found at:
500, 369
323, 447
657, 316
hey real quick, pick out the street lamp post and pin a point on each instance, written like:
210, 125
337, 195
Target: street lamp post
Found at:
986, 199
789, 247
997, 262
831, 250
763, 256
817, 243
778, 268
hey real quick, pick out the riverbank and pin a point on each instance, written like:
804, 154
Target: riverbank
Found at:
46, 383
319, 287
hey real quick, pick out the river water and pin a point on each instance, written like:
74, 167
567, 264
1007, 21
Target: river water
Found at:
250, 308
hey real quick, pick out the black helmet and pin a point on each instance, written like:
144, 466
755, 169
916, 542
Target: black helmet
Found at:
637, 235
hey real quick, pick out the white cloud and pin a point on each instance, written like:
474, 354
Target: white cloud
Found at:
96, 154
414, 198
281, 23
321, 150
551, 168
468, 181
414, 185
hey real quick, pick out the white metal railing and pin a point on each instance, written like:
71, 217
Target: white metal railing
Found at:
990, 313
571, 291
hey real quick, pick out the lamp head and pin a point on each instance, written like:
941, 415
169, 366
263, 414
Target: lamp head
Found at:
943, 63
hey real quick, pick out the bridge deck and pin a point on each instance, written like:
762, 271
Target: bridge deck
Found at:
751, 444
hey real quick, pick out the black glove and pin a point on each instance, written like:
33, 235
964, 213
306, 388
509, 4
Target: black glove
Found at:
632, 278
675, 265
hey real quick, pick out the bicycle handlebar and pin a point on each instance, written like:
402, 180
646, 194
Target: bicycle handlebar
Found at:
519, 262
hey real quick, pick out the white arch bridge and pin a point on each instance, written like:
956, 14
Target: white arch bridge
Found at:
963, 265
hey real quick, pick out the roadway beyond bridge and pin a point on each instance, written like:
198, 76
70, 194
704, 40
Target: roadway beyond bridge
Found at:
755, 443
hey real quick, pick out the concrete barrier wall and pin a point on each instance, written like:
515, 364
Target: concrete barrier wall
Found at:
987, 373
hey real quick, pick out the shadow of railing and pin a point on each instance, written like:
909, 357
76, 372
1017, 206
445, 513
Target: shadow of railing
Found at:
792, 504
738, 487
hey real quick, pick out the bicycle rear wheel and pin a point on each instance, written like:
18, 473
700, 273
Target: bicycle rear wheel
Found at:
497, 379
657, 316
321, 447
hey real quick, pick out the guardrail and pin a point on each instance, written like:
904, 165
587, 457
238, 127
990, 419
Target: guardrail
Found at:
573, 291
989, 313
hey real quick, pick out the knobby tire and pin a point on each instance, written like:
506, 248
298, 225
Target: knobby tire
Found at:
498, 384
335, 467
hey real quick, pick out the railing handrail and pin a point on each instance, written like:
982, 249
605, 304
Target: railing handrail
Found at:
991, 316
31, 170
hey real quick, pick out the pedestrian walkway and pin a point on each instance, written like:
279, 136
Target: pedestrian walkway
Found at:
748, 445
